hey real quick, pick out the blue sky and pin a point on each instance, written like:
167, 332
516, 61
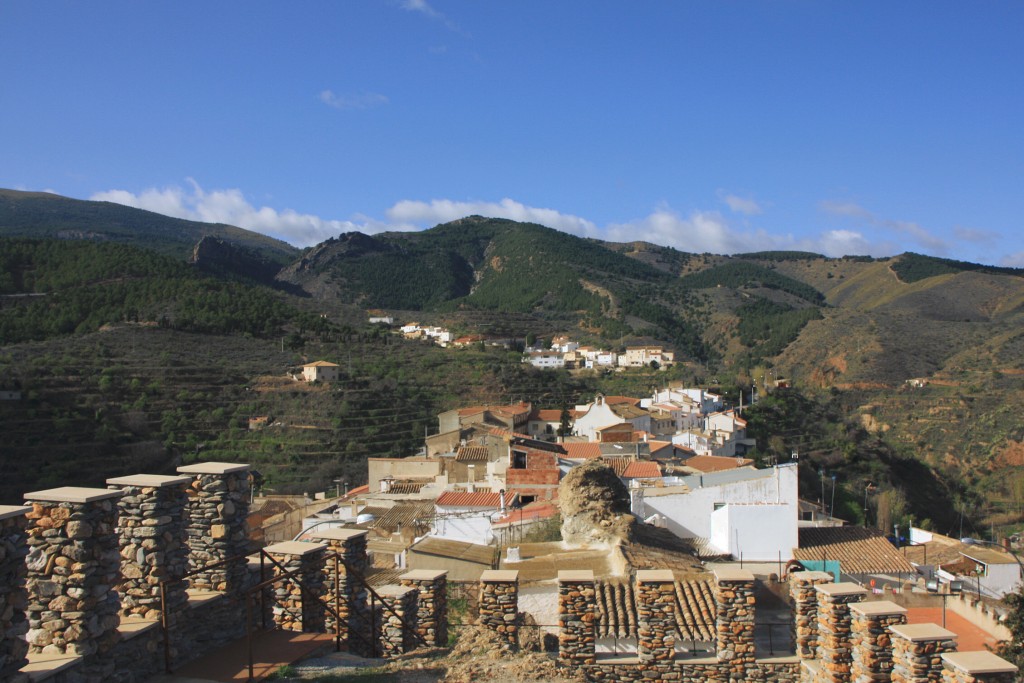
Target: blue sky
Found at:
839, 127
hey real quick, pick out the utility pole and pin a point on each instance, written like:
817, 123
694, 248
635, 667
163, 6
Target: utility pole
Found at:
832, 507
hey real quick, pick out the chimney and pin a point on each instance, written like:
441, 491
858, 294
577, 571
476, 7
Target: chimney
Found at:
501, 493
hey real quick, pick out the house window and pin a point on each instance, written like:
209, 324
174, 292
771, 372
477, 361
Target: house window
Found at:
518, 460
719, 506
526, 500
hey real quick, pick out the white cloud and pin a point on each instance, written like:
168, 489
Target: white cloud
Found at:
366, 100
917, 233
744, 205
975, 235
1013, 260
421, 6
444, 210
232, 208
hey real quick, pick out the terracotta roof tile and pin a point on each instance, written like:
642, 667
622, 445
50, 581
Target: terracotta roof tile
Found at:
472, 454
716, 463
694, 609
641, 469
583, 450
476, 499
859, 550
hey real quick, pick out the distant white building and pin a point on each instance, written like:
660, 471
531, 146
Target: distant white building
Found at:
546, 359
320, 371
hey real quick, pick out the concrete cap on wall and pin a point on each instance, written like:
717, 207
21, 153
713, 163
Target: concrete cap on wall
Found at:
575, 575
500, 576
72, 494
877, 608
294, 548
732, 574
213, 468
424, 575
394, 591
8, 511
837, 589
147, 481
337, 534
916, 633
655, 576
978, 662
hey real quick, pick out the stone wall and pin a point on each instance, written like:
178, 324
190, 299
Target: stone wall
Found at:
431, 604
835, 628
805, 610
734, 619
342, 578
656, 621
297, 602
153, 539
499, 604
917, 652
13, 595
577, 610
976, 667
73, 565
397, 624
217, 511
871, 639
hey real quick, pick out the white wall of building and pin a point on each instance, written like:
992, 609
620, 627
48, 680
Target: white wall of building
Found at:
464, 525
688, 509
758, 533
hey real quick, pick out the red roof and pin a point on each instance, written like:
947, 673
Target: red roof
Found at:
616, 400
584, 450
547, 415
479, 499
715, 463
641, 469
532, 512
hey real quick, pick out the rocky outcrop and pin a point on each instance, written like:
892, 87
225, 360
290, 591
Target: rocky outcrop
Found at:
595, 506
220, 256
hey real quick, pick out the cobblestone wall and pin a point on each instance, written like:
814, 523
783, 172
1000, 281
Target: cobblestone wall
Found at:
431, 604
499, 604
153, 540
577, 607
13, 595
217, 510
871, 639
917, 652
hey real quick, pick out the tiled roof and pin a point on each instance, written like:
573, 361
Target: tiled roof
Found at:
618, 463
641, 469
456, 550
321, 364
529, 513
628, 411
472, 454
583, 450
694, 609
859, 550
404, 515
547, 415
716, 463
407, 486
619, 400
469, 500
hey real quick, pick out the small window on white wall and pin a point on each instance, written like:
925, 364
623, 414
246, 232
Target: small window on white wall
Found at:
719, 506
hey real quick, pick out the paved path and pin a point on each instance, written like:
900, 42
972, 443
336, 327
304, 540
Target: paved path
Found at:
271, 650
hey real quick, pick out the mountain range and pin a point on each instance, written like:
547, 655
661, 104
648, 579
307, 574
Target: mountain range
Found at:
925, 352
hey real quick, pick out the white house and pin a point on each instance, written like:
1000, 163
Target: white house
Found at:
600, 414
748, 511
546, 359
461, 516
